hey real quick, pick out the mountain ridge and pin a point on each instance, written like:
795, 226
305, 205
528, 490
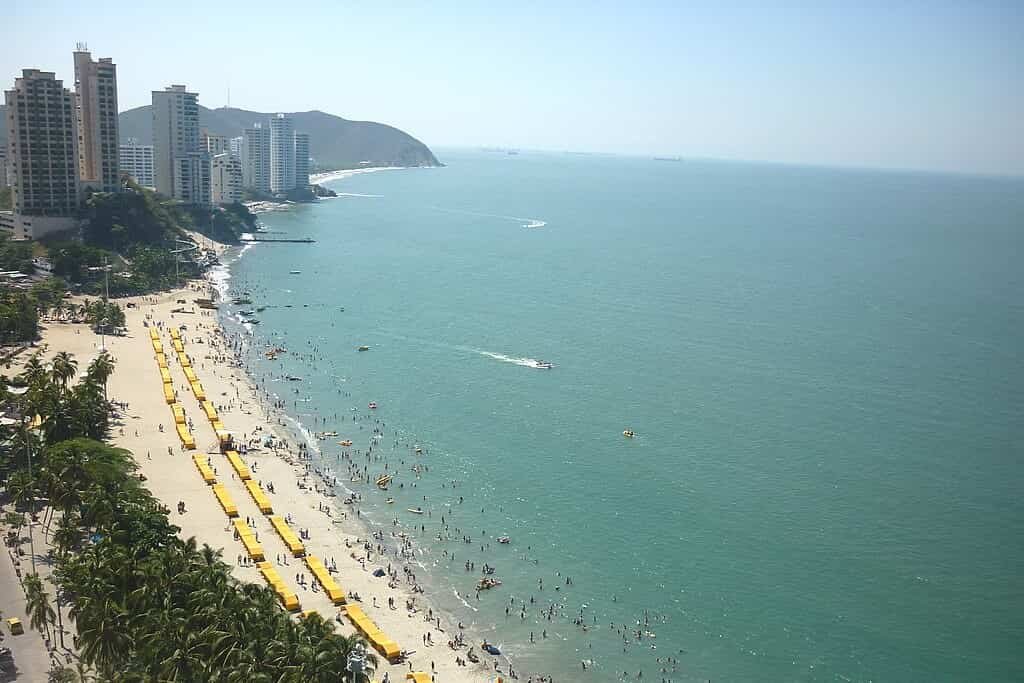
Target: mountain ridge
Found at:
334, 142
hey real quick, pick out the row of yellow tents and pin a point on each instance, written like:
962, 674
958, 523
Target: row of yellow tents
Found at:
227, 503
177, 411
292, 541
326, 581
248, 538
238, 465
365, 626
260, 498
288, 598
204, 468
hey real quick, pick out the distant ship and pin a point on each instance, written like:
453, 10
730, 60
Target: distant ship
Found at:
668, 158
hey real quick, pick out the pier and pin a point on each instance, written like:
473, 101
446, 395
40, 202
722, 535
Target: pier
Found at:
298, 240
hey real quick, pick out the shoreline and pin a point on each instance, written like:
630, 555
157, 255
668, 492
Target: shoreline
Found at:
336, 537
328, 176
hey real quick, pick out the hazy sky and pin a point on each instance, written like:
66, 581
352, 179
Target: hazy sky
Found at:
932, 85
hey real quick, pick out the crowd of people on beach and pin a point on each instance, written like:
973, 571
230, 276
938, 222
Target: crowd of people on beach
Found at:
368, 475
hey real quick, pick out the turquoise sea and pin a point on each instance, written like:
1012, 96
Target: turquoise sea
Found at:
824, 370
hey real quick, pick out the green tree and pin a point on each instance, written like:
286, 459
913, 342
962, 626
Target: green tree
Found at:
65, 367
100, 370
37, 604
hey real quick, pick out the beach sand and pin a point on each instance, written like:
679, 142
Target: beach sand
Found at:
317, 178
147, 429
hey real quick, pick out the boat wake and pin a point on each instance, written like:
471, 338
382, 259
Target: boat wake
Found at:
356, 194
523, 222
525, 362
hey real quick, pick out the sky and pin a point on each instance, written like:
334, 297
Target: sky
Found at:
917, 85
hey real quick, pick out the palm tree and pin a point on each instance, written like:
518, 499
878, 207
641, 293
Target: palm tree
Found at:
65, 367
103, 637
22, 488
37, 603
100, 370
35, 373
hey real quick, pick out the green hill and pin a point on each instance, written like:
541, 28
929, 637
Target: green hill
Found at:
334, 142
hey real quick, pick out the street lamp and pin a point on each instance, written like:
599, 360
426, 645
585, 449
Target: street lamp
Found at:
357, 659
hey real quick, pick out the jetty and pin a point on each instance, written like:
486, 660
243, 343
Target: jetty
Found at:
297, 240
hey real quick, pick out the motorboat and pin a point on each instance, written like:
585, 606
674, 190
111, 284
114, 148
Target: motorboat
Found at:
363, 348
373, 405
345, 442
294, 272
543, 364
504, 539
415, 511
628, 433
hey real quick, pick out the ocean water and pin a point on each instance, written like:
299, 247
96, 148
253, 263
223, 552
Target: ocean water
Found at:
823, 369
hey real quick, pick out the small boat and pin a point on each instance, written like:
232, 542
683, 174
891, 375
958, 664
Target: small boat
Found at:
628, 433
363, 348
504, 539
293, 378
294, 272
418, 450
389, 501
487, 583
415, 511
543, 364
373, 405
345, 442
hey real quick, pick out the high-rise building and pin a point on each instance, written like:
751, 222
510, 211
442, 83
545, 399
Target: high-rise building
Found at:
212, 144
256, 158
282, 154
137, 161
235, 146
4, 182
96, 108
302, 160
225, 179
192, 178
176, 169
42, 149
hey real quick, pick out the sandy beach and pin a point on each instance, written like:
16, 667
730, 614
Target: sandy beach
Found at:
147, 429
317, 178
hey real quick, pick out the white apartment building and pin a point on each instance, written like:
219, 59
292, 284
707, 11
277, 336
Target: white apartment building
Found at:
137, 161
176, 169
282, 154
235, 146
256, 158
302, 160
4, 182
42, 151
192, 178
96, 110
225, 179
